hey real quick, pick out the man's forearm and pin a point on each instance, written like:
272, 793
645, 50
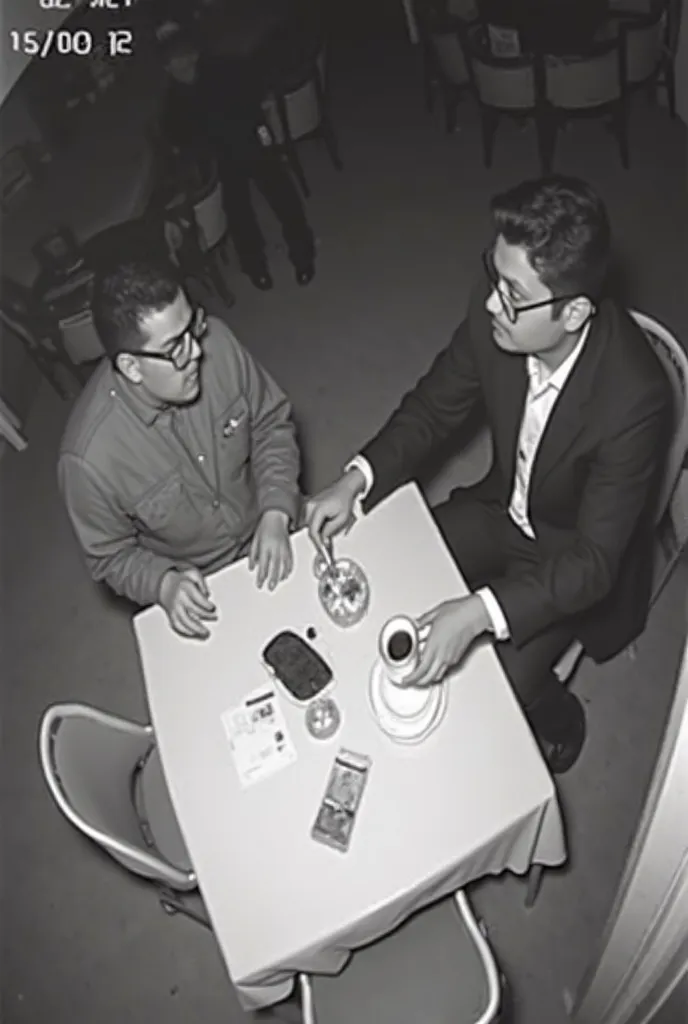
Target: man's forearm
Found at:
134, 573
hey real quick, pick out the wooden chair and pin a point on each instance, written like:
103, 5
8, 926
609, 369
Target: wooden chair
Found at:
297, 107
649, 44
589, 84
502, 86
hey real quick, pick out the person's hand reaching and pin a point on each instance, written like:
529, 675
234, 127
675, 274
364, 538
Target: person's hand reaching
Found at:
185, 597
331, 511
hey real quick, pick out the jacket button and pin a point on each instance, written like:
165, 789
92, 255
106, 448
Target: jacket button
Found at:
215, 503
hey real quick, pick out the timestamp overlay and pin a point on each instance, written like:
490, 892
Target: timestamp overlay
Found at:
74, 41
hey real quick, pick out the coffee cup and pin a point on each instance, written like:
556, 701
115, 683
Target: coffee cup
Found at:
399, 648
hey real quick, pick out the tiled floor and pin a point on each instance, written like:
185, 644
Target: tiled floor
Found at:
399, 230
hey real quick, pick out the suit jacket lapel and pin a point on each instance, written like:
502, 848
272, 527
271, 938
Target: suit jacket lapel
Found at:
568, 417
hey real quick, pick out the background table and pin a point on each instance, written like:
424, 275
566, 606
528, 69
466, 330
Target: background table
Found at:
474, 798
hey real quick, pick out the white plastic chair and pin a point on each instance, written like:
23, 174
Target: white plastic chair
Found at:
675, 361
105, 776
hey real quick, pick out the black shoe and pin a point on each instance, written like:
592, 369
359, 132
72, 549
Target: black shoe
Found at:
262, 280
304, 275
562, 756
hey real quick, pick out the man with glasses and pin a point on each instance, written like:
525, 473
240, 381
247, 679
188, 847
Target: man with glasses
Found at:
556, 542
180, 454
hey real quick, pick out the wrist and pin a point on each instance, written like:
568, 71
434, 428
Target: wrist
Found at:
354, 481
166, 584
481, 617
277, 516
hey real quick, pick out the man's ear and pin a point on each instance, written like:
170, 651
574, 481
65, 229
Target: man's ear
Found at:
129, 366
577, 313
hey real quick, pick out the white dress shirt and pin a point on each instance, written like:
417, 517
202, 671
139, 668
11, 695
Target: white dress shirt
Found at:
544, 389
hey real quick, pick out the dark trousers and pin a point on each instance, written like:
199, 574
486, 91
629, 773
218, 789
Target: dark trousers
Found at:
272, 179
486, 544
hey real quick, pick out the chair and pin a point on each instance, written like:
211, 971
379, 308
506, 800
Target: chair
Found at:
104, 774
584, 85
190, 225
502, 86
29, 320
445, 64
675, 361
297, 107
649, 44
481, 994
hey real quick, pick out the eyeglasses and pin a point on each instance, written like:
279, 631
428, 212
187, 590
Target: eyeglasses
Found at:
511, 309
181, 352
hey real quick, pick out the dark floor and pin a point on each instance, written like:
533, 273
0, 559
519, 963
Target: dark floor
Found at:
399, 230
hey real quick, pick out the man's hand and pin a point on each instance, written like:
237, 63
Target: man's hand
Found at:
185, 597
453, 626
332, 511
271, 549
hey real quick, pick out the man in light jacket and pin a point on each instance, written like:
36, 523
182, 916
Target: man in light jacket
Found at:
180, 454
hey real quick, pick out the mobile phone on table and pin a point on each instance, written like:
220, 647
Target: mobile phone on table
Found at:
300, 669
334, 822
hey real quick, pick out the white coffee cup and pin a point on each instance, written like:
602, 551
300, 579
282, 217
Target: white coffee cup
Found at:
399, 648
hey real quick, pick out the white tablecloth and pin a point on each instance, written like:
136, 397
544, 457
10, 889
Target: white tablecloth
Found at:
474, 798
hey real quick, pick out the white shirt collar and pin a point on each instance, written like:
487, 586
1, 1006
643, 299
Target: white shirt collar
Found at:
541, 378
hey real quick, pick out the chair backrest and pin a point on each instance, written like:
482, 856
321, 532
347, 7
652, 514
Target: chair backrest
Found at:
505, 83
675, 361
211, 217
301, 103
587, 81
89, 759
643, 42
449, 55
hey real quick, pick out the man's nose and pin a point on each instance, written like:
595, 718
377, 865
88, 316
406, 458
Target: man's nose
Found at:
492, 303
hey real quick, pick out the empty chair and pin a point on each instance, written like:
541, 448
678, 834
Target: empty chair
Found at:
587, 84
105, 776
297, 107
503, 86
674, 360
447, 65
649, 44
24, 316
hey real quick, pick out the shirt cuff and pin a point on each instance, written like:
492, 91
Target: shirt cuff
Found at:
499, 624
360, 462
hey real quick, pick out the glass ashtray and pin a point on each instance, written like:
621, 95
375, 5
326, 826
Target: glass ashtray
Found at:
343, 590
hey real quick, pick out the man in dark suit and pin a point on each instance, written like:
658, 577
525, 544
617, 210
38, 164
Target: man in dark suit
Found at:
555, 543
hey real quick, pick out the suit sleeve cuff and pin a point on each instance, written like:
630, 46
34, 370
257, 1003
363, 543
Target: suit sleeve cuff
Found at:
500, 626
360, 462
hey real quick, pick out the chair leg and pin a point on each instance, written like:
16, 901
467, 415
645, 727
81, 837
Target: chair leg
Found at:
326, 128
489, 119
172, 903
548, 141
290, 148
534, 880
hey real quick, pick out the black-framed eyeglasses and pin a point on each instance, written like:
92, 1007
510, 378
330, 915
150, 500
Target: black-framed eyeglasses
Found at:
512, 311
182, 344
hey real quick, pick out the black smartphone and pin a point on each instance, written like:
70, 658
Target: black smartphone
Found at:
300, 669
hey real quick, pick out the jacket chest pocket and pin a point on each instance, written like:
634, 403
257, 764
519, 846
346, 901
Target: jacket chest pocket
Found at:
167, 513
232, 432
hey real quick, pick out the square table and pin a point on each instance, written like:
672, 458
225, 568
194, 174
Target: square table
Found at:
473, 798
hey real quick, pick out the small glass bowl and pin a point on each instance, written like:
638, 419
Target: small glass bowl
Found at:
343, 590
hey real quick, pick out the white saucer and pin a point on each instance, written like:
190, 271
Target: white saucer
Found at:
406, 714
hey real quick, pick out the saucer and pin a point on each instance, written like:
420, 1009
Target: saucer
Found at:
409, 715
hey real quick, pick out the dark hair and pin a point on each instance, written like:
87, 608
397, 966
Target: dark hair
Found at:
563, 226
126, 293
